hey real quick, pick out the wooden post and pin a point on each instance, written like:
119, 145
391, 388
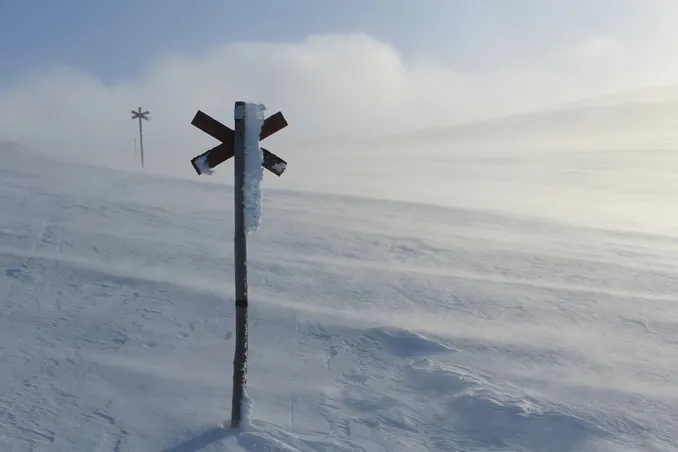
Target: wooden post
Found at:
141, 141
233, 145
140, 115
240, 253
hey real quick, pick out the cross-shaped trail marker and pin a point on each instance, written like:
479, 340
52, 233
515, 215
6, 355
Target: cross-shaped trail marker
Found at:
239, 144
204, 162
141, 115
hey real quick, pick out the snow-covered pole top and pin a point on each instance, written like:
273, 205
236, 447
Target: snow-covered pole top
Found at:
253, 114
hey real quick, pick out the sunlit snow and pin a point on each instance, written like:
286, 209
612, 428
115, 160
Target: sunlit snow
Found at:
535, 311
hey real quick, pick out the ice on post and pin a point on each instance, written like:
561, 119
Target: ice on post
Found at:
201, 164
254, 171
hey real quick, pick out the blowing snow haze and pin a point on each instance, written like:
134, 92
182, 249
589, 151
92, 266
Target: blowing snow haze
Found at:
472, 248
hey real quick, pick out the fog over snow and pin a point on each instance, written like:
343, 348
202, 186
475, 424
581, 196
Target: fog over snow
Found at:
471, 252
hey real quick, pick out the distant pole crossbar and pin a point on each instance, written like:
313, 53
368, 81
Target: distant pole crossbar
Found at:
141, 115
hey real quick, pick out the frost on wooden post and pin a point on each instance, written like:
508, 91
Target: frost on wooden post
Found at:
254, 172
201, 164
247, 406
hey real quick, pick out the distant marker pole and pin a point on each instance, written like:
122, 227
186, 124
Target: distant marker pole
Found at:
140, 115
233, 145
135, 147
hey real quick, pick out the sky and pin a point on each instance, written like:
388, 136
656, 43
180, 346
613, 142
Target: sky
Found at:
72, 70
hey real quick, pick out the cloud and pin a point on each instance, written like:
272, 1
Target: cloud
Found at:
334, 84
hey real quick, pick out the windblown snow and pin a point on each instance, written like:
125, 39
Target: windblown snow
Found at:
374, 325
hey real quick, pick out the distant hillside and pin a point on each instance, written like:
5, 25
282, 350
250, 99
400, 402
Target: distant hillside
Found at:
13, 146
635, 120
638, 119
639, 95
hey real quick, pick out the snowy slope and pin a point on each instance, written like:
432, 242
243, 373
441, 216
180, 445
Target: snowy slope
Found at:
375, 325
594, 125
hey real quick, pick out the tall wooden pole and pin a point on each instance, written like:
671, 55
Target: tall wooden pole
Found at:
138, 114
141, 139
233, 145
240, 252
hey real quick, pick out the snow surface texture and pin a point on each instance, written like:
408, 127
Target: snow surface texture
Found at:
254, 172
375, 326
